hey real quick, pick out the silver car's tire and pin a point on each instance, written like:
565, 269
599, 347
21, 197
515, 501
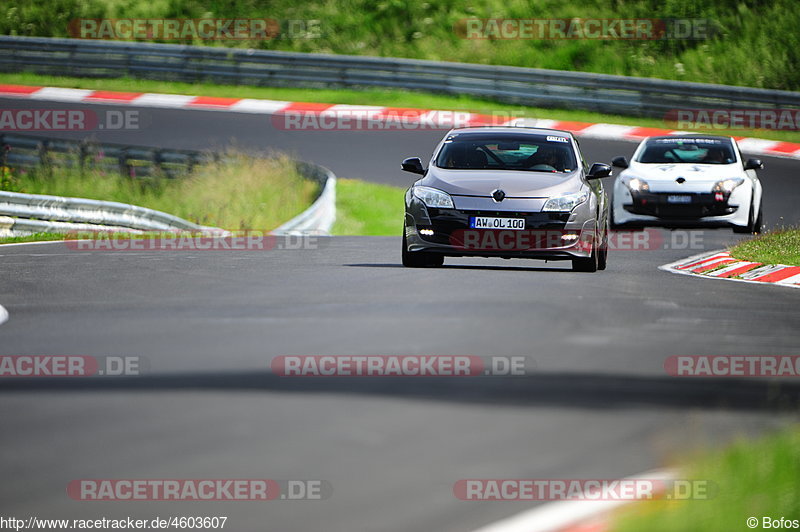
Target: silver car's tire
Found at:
602, 255
589, 264
420, 259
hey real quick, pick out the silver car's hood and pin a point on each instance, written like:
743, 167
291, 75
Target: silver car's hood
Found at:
516, 184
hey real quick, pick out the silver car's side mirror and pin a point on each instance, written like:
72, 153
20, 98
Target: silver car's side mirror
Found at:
598, 170
413, 165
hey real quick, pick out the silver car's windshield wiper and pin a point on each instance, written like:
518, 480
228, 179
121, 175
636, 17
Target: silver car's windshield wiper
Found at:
505, 168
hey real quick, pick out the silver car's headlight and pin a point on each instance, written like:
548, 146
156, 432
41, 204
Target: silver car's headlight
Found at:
727, 185
567, 202
433, 197
637, 185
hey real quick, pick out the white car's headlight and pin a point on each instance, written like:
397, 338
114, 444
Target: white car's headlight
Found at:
567, 202
637, 185
727, 185
433, 197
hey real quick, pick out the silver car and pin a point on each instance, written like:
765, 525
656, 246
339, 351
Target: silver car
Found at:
509, 192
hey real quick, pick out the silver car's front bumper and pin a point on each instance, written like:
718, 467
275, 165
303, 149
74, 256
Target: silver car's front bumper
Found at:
551, 236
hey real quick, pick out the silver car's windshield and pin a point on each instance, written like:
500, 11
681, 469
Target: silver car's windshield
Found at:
551, 153
687, 150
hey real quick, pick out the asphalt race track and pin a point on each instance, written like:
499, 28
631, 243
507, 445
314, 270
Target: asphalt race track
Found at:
596, 404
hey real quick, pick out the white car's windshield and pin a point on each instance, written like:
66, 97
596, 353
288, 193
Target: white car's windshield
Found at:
687, 150
546, 153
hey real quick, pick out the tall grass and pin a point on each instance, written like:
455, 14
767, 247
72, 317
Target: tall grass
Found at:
239, 193
755, 43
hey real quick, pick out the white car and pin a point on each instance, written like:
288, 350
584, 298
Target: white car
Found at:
688, 180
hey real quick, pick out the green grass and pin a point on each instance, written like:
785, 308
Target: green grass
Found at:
240, 193
38, 237
753, 478
743, 50
387, 97
777, 247
368, 209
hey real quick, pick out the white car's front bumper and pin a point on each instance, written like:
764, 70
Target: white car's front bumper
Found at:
704, 209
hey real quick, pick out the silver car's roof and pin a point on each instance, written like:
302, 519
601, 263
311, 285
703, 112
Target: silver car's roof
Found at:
509, 129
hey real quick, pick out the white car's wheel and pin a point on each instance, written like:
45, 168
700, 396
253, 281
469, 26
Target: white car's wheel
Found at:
758, 224
754, 223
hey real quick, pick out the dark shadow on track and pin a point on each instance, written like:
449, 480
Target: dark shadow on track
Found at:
466, 267
569, 390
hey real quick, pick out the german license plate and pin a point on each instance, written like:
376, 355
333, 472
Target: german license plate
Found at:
679, 199
488, 222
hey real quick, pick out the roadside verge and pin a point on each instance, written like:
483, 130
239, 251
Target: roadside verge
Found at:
721, 265
579, 515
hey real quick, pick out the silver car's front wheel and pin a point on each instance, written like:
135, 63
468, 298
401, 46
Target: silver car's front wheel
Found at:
591, 263
420, 259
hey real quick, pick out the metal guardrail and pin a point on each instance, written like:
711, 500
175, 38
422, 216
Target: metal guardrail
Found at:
528, 86
28, 151
320, 216
86, 211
